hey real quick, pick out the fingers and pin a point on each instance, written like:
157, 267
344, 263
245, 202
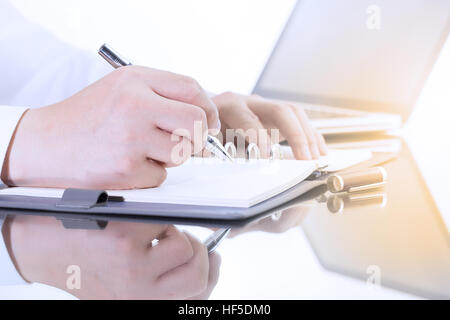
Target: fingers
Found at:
168, 148
141, 233
322, 144
213, 277
181, 88
174, 249
316, 142
188, 279
236, 114
179, 118
293, 124
137, 174
286, 120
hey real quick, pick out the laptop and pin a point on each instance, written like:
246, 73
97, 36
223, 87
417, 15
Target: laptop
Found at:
356, 66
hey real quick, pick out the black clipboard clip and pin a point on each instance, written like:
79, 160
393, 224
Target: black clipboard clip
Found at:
84, 199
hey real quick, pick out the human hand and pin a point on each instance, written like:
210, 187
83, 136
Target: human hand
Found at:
118, 262
260, 115
118, 133
278, 222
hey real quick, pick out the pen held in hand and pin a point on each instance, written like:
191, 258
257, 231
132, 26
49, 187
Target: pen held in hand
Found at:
117, 61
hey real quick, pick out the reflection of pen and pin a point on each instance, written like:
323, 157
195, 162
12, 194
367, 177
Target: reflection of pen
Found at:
215, 239
213, 145
336, 203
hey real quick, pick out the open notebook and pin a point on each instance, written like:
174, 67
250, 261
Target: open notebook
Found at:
208, 181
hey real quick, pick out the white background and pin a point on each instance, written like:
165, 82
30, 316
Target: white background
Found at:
224, 45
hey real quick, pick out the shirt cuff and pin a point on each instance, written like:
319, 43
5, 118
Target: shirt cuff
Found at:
9, 116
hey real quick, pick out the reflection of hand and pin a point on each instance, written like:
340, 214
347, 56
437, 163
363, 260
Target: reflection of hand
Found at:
118, 262
114, 134
277, 223
253, 112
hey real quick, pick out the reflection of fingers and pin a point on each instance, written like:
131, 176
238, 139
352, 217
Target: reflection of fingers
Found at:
188, 279
213, 277
313, 143
173, 250
143, 233
289, 218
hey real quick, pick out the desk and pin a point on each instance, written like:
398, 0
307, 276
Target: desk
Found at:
394, 246
399, 242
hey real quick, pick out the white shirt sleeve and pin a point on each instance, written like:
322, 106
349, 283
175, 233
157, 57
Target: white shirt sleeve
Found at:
37, 69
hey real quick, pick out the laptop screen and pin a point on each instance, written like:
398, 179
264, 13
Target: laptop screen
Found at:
370, 55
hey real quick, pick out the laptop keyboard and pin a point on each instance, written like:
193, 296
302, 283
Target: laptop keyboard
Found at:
326, 114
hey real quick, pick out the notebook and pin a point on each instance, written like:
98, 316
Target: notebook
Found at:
212, 182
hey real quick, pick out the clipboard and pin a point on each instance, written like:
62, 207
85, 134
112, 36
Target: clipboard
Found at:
93, 209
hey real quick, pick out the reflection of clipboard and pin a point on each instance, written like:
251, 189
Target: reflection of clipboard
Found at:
92, 209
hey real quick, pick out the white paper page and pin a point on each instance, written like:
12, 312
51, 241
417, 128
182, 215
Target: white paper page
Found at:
336, 159
208, 181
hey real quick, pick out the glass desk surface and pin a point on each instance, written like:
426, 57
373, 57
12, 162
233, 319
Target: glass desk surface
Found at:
385, 243
389, 243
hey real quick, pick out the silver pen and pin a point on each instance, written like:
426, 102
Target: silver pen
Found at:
213, 145
213, 241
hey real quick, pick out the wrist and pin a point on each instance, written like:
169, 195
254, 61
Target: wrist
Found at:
27, 158
8, 175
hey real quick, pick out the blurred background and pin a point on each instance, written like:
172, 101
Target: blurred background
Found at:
224, 45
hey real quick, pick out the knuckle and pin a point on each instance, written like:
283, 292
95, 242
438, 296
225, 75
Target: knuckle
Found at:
198, 114
299, 138
232, 99
278, 109
248, 125
192, 87
299, 109
125, 74
229, 95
